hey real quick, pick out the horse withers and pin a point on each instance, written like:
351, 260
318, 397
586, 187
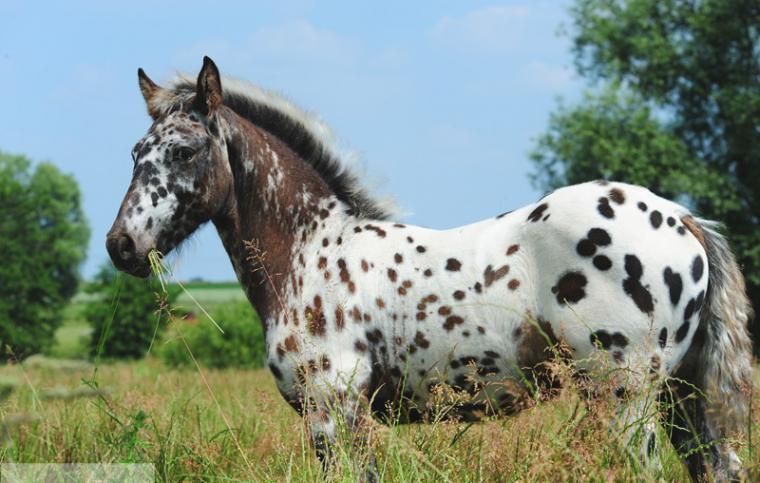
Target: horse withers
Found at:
364, 315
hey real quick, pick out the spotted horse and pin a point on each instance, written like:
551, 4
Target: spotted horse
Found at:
369, 316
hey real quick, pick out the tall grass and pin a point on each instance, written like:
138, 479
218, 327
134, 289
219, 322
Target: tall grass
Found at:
169, 418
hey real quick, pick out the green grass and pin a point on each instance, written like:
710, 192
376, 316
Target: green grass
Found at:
169, 418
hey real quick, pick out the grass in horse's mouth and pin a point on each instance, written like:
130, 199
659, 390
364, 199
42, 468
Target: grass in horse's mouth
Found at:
157, 267
161, 272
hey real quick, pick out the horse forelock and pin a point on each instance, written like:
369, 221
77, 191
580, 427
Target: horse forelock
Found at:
303, 132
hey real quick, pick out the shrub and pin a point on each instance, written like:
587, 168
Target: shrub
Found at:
124, 314
43, 238
241, 344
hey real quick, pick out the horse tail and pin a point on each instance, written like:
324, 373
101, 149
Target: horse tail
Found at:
725, 362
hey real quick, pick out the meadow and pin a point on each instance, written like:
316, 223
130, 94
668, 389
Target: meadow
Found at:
232, 425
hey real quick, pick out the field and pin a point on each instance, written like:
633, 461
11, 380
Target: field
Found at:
232, 425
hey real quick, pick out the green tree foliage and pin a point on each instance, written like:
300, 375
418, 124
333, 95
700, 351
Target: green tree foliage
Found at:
126, 313
43, 240
677, 109
241, 344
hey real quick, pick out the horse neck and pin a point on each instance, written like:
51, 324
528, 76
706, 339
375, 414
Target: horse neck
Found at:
274, 207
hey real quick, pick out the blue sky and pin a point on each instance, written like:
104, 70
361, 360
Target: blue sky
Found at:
443, 99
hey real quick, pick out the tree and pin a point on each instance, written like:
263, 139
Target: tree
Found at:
43, 239
126, 314
677, 109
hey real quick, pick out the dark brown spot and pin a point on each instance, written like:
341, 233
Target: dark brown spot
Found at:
570, 287
291, 343
513, 284
421, 341
392, 275
374, 336
537, 344
459, 295
380, 303
365, 265
602, 262
585, 248
674, 283
356, 314
604, 208
360, 346
599, 237
428, 273
512, 249
490, 276
655, 218
633, 287
453, 265
601, 339
619, 340
697, 268
617, 195
452, 321
537, 213
398, 258
682, 332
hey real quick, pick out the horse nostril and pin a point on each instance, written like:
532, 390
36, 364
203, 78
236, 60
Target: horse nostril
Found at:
126, 247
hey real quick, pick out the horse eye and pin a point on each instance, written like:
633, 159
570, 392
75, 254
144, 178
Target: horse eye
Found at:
183, 154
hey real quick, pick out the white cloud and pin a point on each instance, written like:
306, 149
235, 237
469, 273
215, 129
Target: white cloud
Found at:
492, 29
296, 41
548, 76
300, 40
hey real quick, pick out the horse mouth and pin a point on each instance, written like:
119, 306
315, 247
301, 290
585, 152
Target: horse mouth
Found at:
126, 256
143, 270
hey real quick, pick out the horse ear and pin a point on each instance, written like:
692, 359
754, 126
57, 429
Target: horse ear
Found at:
151, 92
208, 91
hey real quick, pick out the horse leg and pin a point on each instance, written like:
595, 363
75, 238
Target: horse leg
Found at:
687, 423
342, 419
636, 420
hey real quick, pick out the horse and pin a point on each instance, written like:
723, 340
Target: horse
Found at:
364, 315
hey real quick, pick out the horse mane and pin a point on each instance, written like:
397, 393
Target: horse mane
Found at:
310, 138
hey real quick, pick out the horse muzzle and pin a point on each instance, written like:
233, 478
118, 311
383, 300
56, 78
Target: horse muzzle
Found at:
126, 255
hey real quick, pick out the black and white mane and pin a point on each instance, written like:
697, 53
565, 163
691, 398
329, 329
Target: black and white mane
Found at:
310, 138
